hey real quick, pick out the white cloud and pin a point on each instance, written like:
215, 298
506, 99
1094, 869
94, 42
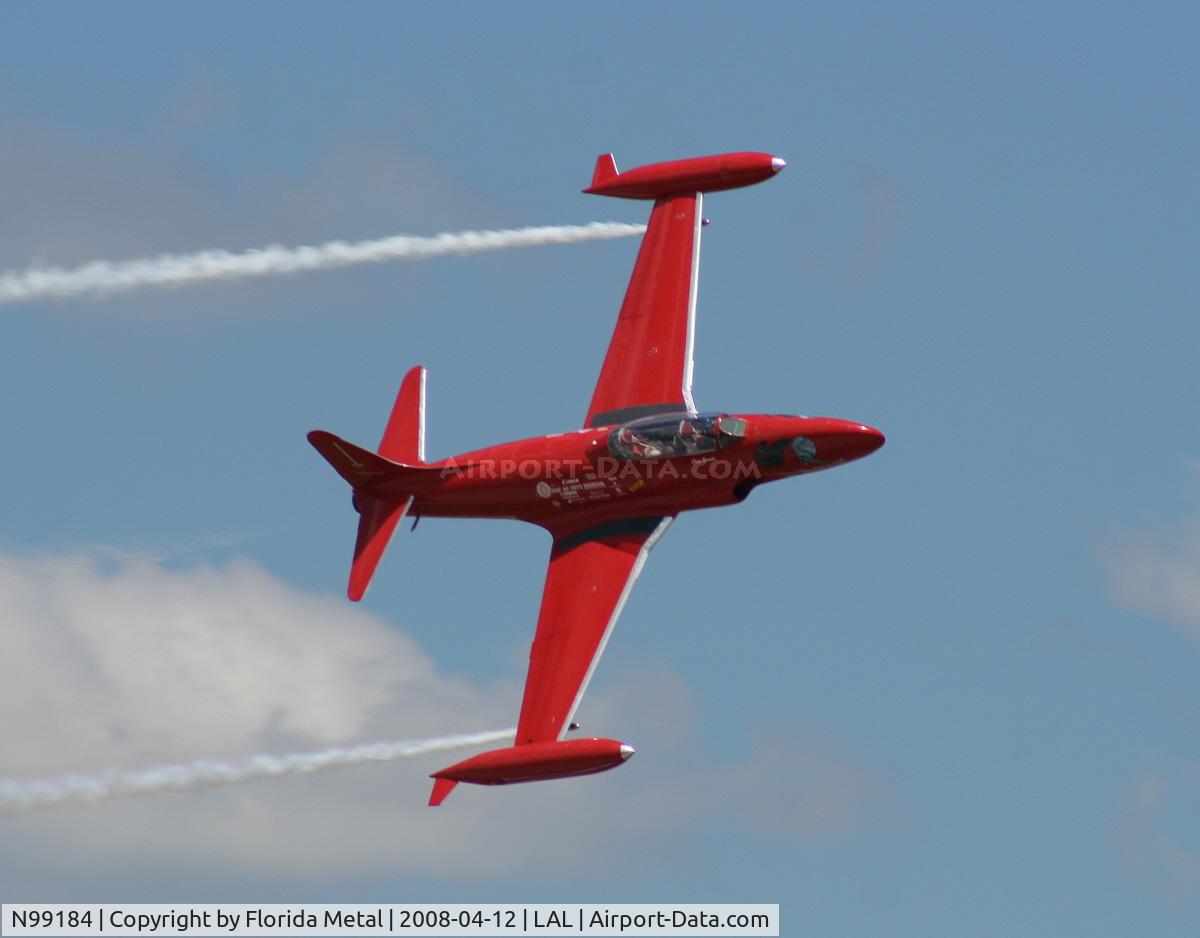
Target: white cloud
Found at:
1156, 829
123, 662
169, 662
1163, 581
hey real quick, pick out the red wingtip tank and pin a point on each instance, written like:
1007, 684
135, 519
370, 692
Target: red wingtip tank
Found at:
532, 762
700, 174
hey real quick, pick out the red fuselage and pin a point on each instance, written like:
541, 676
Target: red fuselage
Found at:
578, 478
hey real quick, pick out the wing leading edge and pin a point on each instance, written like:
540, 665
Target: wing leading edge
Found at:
589, 578
648, 366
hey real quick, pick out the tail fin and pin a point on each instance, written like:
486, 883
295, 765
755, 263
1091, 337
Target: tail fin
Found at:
384, 483
404, 439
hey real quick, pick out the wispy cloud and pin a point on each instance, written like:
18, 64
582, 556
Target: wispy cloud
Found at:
1154, 825
1162, 580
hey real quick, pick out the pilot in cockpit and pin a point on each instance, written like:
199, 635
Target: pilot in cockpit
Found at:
638, 446
689, 437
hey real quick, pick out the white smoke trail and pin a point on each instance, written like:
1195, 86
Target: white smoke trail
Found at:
103, 277
19, 796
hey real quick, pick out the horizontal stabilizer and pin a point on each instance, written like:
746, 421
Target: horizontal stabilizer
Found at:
360, 467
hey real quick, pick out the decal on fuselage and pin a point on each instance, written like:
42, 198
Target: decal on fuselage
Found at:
576, 491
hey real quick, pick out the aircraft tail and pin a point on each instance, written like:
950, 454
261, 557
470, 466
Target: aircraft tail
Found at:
385, 483
404, 438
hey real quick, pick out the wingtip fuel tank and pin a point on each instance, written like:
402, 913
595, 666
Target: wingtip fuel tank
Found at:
532, 762
700, 174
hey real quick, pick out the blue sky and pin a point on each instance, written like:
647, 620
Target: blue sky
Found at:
950, 689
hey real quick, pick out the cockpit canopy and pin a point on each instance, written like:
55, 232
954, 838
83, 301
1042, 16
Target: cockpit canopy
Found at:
668, 436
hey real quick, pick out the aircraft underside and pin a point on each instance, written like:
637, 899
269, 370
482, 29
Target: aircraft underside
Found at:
606, 492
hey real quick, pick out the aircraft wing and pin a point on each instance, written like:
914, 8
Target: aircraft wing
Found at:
590, 576
648, 368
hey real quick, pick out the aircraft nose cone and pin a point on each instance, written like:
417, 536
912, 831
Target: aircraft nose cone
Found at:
777, 163
871, 438
847, 441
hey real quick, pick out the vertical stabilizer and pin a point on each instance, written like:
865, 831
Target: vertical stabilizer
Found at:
404, 438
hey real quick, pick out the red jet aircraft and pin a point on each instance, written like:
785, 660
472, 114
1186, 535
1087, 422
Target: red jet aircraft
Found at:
606, 493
